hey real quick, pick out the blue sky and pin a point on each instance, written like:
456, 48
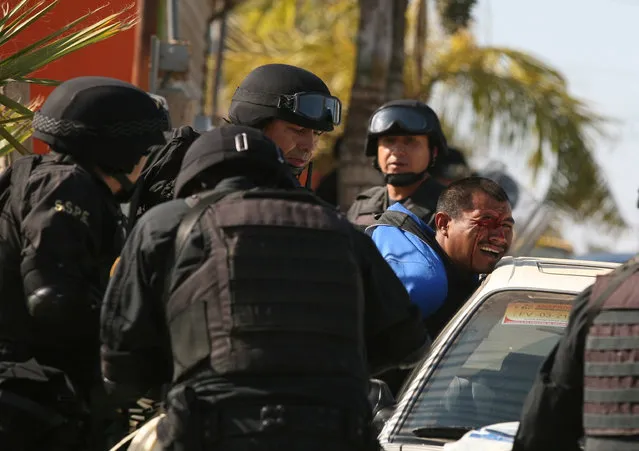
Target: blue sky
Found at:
594, 43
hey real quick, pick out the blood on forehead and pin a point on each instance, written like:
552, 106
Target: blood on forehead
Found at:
492, 219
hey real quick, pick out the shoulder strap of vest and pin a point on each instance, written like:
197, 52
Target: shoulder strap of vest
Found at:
408, 224
405, 222
425, 213
197, 206
623, 273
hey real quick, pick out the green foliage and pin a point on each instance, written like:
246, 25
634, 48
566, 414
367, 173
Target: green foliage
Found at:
316, 35
508, 94
523, 100
20, 64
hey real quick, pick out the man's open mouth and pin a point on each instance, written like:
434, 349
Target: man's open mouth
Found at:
492, 251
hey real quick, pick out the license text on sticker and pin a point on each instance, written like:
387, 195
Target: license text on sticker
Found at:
537, 314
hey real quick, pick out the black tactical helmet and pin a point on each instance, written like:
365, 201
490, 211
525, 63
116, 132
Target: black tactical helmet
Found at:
290, 93
101, 121
405, 117
233, 143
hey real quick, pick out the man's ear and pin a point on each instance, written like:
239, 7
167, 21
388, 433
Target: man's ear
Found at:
442, 221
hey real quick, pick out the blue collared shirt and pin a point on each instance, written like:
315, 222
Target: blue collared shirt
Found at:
416, 264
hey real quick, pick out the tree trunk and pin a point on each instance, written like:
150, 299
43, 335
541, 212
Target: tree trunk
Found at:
420, 40
378, 78
395, 81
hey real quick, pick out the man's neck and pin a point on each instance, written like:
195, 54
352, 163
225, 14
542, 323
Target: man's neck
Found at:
460, 268
399, 193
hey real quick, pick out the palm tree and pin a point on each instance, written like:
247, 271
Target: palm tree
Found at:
507, 95
378, 77
19, 65
387, 73
315, 34
515, 99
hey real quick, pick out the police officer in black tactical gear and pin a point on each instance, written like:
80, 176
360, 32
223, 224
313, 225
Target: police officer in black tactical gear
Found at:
586, 389
60, 231
291, 105
262, 308
406, 139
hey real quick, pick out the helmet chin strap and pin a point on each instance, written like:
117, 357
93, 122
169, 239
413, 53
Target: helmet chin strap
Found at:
404, 179
309, 176
127, 188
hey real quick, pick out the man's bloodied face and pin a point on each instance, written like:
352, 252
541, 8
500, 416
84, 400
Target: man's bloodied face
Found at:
480, 236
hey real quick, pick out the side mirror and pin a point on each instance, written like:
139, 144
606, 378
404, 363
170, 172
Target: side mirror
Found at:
382, 402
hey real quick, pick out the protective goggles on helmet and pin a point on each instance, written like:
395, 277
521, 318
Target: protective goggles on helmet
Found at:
400, 118
310, 105
313, 106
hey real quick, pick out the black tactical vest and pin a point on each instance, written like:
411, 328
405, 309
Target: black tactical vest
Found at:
279, 293
611, 359
370, 204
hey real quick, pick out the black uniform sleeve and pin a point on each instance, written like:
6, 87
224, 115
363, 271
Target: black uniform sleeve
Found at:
62, 232
136, 351
133, 333
552, 414
395, 334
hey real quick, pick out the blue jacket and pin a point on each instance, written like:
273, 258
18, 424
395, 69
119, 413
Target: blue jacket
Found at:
417, 265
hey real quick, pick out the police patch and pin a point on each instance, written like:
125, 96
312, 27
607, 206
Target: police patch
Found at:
72, 209
115, 265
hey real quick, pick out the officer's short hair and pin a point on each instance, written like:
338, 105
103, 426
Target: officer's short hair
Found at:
458, 196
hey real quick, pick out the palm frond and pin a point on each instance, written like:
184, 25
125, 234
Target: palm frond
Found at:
321, 39
507, 93
59, 43
15, 128
522, 101
19, 65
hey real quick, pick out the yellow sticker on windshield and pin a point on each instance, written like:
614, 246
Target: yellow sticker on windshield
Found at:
537, 314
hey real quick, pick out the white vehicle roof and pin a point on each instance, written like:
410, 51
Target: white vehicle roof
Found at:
512, 273
551, 274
